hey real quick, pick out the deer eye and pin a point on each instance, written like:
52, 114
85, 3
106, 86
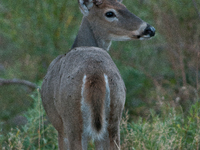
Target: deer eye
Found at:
110, 14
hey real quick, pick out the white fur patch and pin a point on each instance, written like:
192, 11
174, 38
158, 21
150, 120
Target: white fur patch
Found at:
142, 28
83, 86
66, 142
144, 37
107, 100
119, 38
109, 46
86, 114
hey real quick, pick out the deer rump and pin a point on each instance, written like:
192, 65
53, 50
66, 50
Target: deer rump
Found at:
80, 94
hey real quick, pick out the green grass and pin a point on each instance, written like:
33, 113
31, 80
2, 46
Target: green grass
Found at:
175, 132
170, 130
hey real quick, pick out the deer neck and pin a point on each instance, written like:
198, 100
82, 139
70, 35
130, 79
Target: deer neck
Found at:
87, 37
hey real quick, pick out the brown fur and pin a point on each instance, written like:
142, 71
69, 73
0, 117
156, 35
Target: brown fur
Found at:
95, 89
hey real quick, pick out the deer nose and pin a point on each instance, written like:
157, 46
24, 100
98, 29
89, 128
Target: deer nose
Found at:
149, 31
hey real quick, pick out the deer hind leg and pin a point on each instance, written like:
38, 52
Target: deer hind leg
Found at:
61, 140
111, 140
74, 142
103, 144
73, 136
114, 128
114, 137
68, 143
62, 144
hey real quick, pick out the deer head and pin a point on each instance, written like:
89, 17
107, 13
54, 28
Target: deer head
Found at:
111, 20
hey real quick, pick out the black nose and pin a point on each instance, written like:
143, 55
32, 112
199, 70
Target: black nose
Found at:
149, 31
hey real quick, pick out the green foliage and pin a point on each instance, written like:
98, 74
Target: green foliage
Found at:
36, 134
39, 32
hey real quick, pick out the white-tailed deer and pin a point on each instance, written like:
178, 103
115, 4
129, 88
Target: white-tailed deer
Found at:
83, 93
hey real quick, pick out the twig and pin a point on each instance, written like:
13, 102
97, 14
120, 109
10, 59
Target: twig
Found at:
116, 145
39, 135
18, 81
196, 8
197, 70
182, 67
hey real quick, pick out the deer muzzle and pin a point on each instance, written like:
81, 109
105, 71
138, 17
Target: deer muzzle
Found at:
149, 31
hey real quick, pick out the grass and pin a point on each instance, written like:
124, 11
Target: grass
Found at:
175, 132
166, 131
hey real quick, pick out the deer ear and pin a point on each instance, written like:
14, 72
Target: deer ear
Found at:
85, 6
98, 2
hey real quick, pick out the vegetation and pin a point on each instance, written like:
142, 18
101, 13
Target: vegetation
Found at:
162, 75
37, 133
172, 131
169, 130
